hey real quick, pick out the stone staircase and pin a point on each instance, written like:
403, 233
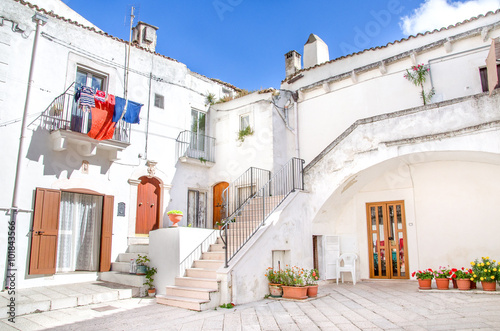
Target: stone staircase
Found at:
119, 273
199, 288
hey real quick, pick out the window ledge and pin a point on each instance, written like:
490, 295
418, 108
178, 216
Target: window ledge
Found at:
196, 162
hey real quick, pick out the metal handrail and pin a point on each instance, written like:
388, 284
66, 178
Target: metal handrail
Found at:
195, 145
244, 222
243, 188
197, 252
63, 114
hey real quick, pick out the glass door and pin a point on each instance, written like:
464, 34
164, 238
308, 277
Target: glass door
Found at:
388, 248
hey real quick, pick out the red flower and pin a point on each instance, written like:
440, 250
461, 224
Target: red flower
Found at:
454, 269
454, 276
413, 274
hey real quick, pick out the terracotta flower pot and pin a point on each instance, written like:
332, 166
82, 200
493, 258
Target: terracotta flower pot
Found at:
454, 282
175, 218
275, 290
442, 283
312, 291
295, 292
151, 292
489, 286
463, 284
424, 284
473, 285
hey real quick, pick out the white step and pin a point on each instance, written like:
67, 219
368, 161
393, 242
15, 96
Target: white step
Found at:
197, 282
187, 303
126, 257
139, 248
122, 278
120, 266
216, 247
208, 264
189, 292
213, 256
201, 273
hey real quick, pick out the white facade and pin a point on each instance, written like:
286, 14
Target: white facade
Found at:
359, 125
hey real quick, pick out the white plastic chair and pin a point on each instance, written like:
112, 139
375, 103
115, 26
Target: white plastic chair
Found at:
349, 260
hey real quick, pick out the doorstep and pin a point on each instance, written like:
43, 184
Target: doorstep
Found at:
40, 299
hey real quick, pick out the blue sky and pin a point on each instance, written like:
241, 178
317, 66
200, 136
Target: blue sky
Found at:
243, 42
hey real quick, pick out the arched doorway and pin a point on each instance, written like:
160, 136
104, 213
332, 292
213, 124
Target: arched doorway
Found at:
148, 205
218, 209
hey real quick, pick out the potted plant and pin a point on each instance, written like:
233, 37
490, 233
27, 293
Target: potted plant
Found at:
243, 133
142, 264
175, 216
417, 76
424, 278
218, 225
442, 278
487, 271
274, 278
150, 272
463, 278
312, 277
293, 283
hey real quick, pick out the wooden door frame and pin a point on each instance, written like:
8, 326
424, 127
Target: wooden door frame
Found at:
386, 228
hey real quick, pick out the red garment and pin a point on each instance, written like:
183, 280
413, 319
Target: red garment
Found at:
102, 115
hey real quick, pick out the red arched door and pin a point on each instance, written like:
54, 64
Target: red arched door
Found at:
148, 205
218, 207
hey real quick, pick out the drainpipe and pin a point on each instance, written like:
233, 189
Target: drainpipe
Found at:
40, 20
297, 148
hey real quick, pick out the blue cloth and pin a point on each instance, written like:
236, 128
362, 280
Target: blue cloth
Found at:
133, 111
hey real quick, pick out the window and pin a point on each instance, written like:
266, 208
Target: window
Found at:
198, 130
244, 121
159, 99
484, 78
85, 77
197, 209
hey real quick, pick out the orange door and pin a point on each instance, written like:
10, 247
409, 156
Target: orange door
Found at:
148, 198
106, 233
45, 231
218, 202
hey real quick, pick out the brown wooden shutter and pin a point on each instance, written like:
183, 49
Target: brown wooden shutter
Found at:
44, 232
106, 233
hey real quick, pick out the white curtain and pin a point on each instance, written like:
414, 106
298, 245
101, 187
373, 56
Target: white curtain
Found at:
79, 232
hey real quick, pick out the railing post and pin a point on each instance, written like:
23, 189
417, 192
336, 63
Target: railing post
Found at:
251, 181
293, 175
227, 246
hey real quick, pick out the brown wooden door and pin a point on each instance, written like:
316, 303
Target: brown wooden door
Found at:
106, 233
44, 232
387, 244
148, 199
219, 212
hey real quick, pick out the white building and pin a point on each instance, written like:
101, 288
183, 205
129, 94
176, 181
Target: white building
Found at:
381, 172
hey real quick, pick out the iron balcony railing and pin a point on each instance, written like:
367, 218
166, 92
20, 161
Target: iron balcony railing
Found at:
64, 114
243, 188
196, 146
244, 222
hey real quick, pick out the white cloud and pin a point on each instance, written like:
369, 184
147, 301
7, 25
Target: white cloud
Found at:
435, 14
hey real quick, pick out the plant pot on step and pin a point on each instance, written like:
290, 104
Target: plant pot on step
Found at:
295, 292
174, 218
473, 285
489, 286
442, 283
463, 284
141, 270
424, 284
312, 291
151, 292
275, 290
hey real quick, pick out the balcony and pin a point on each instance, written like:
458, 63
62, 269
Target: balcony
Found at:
195, 148
70, 124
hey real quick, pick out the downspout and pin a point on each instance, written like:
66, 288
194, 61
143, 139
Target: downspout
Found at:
297, 148
147, 120
40, 20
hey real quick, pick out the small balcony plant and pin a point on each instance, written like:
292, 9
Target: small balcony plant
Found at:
142, 264
417, 75
150, 272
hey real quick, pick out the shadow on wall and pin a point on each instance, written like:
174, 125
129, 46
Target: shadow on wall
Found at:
57, 162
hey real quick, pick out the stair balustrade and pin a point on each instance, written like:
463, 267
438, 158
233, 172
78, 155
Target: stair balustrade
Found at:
245, 220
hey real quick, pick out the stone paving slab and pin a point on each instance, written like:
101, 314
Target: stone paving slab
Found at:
368, 305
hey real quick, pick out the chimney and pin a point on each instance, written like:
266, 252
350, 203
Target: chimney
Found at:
144, 35
292, 63
315, 51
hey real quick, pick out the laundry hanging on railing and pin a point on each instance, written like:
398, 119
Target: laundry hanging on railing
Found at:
132, 112
102, 127
85, 97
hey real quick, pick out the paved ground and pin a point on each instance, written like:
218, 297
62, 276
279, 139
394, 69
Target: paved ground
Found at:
369, 305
